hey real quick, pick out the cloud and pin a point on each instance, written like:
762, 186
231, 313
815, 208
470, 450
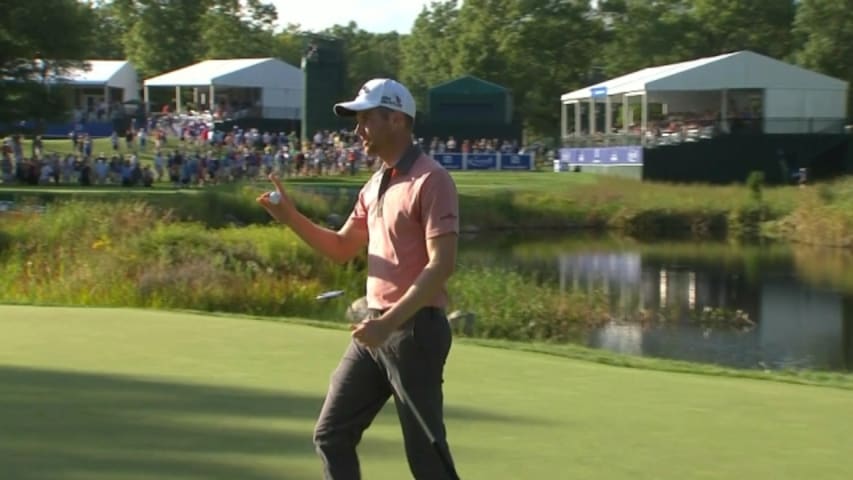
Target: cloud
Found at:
377, 16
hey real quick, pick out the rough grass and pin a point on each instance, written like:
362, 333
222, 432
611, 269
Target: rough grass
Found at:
823, 216
129, 254
129, 394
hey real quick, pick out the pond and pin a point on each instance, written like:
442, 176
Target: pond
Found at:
9, 206
786, 307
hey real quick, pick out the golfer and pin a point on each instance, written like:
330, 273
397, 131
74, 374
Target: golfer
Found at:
407, 215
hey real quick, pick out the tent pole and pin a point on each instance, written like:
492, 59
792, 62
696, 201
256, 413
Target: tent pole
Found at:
211, 103
608, 119
145, 99
591, 116
577, 119
724, 111
564, 121
178, 99
106, 99
644, 123
624, 114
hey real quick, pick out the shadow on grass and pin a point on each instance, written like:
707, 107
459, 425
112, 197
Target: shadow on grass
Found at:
59, 425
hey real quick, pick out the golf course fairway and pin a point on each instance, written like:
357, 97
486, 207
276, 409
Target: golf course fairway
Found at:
120, 394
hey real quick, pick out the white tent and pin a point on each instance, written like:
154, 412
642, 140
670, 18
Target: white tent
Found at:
98, 85
793, 99
274, 86
105, 73
102, 82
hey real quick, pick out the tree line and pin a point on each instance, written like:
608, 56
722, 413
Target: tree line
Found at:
537, 48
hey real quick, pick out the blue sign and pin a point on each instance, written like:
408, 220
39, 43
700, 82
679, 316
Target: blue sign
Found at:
598, 92
608, 156
450, 161
481, 161
516, 162
484, 161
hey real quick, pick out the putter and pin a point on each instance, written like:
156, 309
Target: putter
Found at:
404, 397
397, 385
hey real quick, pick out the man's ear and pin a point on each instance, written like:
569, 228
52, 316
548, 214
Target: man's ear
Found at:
396, 118
401, 120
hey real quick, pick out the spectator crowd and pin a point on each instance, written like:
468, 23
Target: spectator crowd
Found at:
189, 152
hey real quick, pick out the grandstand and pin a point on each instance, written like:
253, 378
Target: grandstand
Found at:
709, 119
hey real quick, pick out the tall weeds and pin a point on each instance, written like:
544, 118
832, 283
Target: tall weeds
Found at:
130, 254
823, 216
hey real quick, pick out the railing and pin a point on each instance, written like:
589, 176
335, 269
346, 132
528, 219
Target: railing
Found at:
673, 133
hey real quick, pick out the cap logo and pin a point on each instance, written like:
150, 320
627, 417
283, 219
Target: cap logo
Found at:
395, 102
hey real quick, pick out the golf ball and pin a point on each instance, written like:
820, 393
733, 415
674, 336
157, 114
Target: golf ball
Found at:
275, 197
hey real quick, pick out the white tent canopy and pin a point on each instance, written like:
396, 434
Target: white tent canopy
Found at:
99, 73
789, 92
104, 75
281, 84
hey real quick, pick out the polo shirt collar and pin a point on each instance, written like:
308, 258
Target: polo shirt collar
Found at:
408, 159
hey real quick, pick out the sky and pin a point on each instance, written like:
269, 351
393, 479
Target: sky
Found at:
377, 16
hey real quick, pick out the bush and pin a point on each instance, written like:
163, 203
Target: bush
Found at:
509, 305
6, 240
755, 183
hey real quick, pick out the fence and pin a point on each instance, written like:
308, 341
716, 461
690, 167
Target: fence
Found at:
663, 133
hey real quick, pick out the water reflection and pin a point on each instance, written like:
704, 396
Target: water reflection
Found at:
745, 307
9, 206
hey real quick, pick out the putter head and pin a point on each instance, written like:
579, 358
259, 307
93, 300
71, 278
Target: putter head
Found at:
329, 295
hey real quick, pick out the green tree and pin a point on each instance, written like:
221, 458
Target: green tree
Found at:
368, 55
763, 26
222, 30
536, 46
235, 29
644, 33
824, 30
106, 42
289, 44
428, 52
165, 35
31, 52
483, 25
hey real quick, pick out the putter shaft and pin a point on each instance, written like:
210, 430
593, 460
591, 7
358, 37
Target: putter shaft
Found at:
397, 385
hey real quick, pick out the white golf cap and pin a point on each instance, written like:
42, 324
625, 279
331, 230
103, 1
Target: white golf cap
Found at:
379, 92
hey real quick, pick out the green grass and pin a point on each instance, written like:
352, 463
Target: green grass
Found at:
128, 394
100, 146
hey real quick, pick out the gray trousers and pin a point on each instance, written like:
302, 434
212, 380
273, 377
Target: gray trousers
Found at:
359, 388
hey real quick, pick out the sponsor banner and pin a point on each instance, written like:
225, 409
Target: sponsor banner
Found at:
612, 156
450, 161
516, 162
484, 161
598, 92
481, 161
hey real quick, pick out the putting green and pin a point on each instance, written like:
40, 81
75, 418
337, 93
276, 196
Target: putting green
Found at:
129, 394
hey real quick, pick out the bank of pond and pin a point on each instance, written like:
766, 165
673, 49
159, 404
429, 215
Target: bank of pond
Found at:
820, 214
758, 304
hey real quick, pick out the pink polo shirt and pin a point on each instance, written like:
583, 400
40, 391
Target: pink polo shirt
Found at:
420, 203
